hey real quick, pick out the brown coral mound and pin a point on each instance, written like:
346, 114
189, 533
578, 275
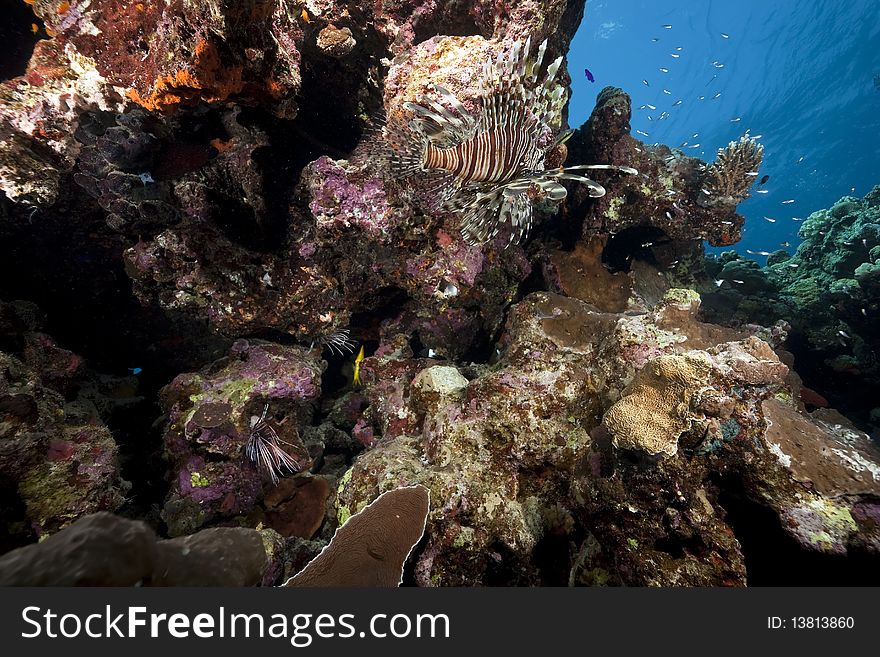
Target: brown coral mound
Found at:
727, 179
674, 391
657, 408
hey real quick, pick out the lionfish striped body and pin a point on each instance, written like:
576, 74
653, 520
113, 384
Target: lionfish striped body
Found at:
490, 167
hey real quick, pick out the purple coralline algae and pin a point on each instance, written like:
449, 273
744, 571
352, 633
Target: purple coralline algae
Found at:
61, 463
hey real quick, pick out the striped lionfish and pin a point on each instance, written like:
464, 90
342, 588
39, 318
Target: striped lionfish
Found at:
491, 167
264, 448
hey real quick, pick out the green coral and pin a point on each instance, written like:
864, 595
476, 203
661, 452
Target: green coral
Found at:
198, 480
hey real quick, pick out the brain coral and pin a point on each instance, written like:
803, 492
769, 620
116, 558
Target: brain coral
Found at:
655, 409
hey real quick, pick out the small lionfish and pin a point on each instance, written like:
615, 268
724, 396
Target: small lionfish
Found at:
264, 450
491, 166
339, 342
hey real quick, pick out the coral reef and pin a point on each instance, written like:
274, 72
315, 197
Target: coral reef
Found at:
39, 113
667, 193
211, 416
58, 460
671, 394
106, 550
192, 193
519, 455
827, 291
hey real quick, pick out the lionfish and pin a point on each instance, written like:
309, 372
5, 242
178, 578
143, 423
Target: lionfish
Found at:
492, 166
265, 451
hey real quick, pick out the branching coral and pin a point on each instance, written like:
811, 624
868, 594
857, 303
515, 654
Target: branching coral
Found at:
727, 180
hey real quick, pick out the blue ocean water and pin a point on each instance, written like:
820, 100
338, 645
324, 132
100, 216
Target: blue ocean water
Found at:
799, 73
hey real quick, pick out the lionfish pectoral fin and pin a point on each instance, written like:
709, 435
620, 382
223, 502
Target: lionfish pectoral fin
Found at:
452, 99
564, 136
480, 218
595, 189
554, 191
441, 185
607, 167
517, 211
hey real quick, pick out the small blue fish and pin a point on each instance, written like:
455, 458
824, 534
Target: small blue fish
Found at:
135, 370
589, 75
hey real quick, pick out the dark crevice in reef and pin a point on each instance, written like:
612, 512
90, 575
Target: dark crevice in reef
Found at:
457, 23
502, 567
384, 303
481, 350
325, 124
635, 242
562, 227
679, 546
12, 513
90, 309
552, 556
141, 459
842, 389
18, 37
773, 558
338, 376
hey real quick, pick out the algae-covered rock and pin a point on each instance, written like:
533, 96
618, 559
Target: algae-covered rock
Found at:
211, 417
57, 463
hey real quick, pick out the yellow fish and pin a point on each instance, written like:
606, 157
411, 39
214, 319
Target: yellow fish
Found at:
357, 367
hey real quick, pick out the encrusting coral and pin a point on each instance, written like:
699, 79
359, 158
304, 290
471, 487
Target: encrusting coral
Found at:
673, 392
656, 408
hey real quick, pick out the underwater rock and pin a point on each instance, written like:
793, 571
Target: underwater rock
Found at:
664, 195
406, 23
493, 450
39, 113
178, 53
580, 274
100, 549
297, 506
212, 415
107, 550
118, 157
54, 463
